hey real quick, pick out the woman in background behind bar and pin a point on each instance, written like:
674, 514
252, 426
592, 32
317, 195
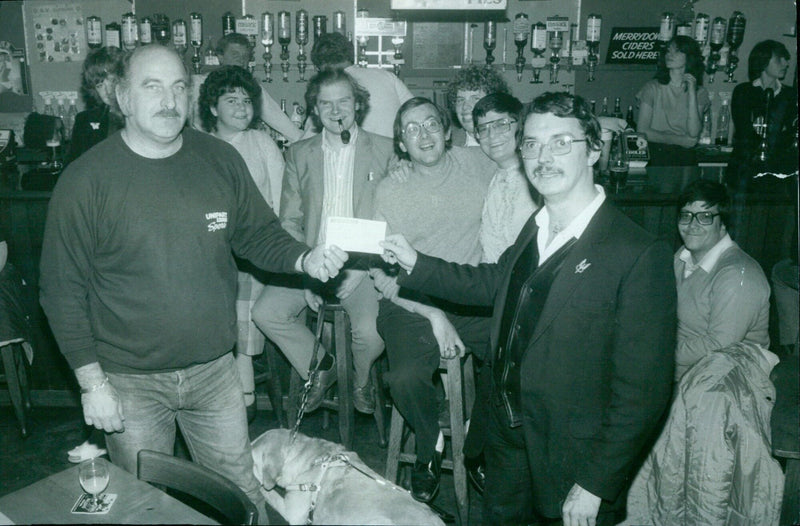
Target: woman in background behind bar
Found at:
671, 106
101, 70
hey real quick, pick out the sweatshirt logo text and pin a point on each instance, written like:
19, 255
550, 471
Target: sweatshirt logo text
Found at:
217, 220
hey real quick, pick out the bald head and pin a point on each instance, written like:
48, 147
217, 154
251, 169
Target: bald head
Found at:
154, 97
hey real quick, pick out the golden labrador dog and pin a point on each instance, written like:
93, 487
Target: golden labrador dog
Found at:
323, 481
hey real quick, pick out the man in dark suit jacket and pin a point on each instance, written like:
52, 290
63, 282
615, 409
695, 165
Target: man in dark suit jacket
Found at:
583, 335
334, 173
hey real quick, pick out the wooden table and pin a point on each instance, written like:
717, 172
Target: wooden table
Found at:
50, 501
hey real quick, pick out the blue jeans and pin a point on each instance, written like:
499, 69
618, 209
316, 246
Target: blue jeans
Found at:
206, 401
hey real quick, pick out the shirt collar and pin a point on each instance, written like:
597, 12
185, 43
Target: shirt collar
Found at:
471, 141
759, 84
577, 226
709, 261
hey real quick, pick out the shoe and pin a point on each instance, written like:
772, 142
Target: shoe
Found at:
364, 398
323, 380
476, 473
425, 479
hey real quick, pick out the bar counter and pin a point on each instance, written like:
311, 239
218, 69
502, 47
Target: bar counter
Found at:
767, 230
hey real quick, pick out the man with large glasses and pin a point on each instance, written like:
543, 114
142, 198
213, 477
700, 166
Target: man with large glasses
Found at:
582, 336
723, 295
439, 207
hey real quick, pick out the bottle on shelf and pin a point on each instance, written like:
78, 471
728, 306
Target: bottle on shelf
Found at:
723, 124
618, 108
604, 108
705, 132
94, 32
48, 107
210, 58
593, 104
630, 119
113, 35
69, 119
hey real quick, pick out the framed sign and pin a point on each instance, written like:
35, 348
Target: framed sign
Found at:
436, 45
445, 5
12, 70
633, 45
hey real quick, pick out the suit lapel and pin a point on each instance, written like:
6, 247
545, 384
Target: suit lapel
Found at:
313, 179
576, 268
361, 170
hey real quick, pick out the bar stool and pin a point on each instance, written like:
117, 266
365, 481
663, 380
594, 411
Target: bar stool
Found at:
461, 396
16, 376
337, 340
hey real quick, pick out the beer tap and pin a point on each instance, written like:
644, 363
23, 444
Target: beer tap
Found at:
716, 42
362, 41
735, 37
538, 47
302, 39
489, 40
267, 39
520, 41
593, 25
555, 41
196, 40
284, 39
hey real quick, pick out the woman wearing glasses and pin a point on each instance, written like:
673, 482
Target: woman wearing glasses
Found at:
509, 202
723, 295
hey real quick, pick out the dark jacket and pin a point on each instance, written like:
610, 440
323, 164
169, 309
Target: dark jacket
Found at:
596, 376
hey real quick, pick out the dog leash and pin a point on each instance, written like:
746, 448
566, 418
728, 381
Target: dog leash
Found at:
313, 369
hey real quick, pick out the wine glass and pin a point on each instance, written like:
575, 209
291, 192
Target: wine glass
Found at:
93, 475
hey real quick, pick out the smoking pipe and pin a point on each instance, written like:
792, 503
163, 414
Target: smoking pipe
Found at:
344, 134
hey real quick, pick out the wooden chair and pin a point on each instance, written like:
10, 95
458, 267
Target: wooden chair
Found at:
199, 482
461, 396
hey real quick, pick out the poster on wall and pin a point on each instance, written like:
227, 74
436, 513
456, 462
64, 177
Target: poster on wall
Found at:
12, 70
633, 45
58, 31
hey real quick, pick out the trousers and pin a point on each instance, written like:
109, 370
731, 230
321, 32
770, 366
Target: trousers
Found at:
280, 313
414, 356
205, 401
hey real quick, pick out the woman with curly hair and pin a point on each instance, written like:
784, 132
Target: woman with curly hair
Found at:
470, 85
230, 100
671, 106
101, 70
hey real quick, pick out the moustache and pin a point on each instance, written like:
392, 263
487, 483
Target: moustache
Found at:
168, 114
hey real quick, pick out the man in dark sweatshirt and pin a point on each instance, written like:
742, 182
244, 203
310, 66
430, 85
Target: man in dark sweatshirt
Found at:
138, 278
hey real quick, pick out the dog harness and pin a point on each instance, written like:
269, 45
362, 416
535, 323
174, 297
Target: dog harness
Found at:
326, 462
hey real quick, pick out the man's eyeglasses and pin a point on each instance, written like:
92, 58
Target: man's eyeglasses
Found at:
499, 126
413, 129
703, 218
558, 145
